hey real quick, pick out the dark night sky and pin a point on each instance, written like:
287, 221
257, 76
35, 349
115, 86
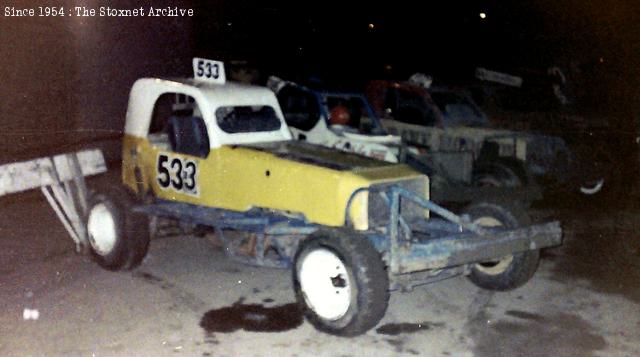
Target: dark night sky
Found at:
446, 38
85, 66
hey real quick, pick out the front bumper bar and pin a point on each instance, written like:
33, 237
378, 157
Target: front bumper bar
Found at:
465, 248
461, 242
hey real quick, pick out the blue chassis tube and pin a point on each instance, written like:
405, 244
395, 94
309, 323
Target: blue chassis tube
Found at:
433, 243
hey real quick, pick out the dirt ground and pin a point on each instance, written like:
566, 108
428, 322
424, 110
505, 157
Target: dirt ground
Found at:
188, 298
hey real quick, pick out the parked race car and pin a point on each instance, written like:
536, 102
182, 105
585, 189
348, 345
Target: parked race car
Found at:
350, 228
354, 127
346, 121
448, 120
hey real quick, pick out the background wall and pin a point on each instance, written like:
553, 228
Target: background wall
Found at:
65, 80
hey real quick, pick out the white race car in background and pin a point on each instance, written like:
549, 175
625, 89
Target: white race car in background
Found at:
308, 114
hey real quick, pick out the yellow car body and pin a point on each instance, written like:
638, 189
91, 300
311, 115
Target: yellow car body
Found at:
270, 172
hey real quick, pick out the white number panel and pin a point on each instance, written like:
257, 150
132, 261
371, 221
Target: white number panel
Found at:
177, 174
208, 70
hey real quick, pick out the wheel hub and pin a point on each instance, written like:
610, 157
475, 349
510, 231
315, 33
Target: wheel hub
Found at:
101, 228
325, 283
493, 267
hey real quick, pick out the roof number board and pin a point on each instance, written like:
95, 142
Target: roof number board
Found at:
210, 71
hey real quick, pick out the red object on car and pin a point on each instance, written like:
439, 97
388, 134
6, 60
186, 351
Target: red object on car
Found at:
339, 115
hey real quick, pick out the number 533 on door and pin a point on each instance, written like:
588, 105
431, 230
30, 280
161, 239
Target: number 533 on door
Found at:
178, 174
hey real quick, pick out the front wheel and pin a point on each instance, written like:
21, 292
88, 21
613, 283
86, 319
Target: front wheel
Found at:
118, 237
340, 282
511, 271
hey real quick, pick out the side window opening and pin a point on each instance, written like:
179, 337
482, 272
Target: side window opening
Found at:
354, 107
459, 109
247, 119
413, 109
390, 101
177, 125
300, 107
358, 118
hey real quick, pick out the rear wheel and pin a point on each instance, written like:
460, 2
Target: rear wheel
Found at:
118, 237
495, 175
341, 282
591, 187
511, 271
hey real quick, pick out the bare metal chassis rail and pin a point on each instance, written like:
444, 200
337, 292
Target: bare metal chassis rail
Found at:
449, 243
470, 244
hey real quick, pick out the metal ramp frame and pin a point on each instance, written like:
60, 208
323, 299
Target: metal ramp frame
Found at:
61, 180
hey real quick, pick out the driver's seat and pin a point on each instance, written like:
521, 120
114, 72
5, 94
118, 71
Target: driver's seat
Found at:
188, 135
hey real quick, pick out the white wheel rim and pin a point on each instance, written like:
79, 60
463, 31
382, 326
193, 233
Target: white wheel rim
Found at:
488, 181
497, 267
102, 229
325, 284
592, 189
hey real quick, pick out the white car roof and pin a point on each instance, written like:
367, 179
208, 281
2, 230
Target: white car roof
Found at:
209, 97
229, 93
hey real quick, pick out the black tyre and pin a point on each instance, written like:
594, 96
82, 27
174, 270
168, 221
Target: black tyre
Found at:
340, 282
495, 175
511, 271
118, 237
